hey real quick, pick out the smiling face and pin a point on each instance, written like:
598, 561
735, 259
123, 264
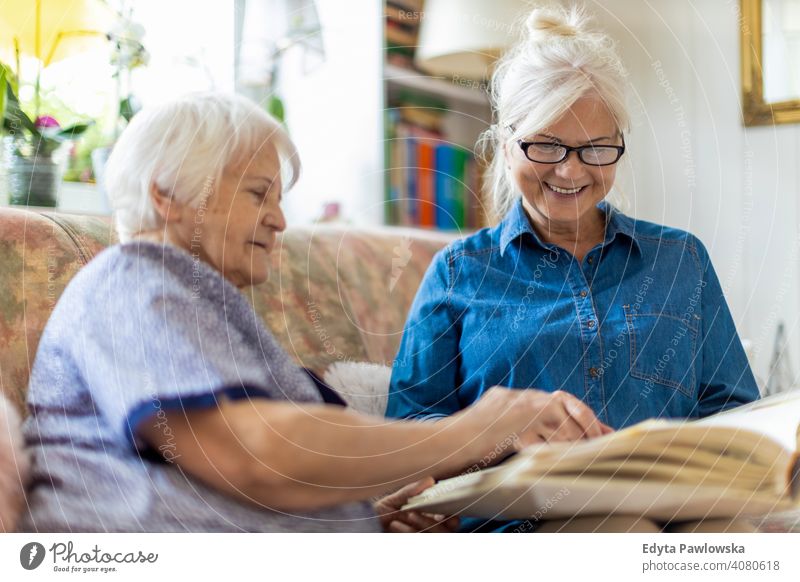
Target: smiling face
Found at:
235, 230
564, 196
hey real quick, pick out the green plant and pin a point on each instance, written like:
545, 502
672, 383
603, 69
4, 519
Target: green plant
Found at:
79, 164
3, 83
40, 137
7, 79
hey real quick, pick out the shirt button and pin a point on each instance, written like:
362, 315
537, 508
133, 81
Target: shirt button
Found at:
593, 372
590, 260
591, 323
584, 293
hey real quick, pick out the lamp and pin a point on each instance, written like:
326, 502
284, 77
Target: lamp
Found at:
39, 27
464, 37
51, 30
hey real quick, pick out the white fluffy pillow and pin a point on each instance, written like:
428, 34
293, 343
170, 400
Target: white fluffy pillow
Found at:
14, 466
364, 386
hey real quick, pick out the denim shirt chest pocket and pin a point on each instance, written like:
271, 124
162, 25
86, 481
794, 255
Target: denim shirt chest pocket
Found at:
663, 346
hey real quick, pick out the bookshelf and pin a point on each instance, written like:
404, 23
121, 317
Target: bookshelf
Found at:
466, 92
431, 125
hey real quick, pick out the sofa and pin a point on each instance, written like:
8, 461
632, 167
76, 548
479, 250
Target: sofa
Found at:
335, 293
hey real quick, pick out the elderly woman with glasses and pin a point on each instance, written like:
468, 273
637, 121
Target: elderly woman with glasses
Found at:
567, 296
158, 399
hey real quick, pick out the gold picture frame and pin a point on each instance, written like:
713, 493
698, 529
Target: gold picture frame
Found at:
755, 109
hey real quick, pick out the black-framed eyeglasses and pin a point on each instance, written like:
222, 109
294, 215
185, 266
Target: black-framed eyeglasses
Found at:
545, 152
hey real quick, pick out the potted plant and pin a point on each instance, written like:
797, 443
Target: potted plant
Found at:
32, 165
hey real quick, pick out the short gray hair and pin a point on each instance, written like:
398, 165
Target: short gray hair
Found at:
183, 147
558, 61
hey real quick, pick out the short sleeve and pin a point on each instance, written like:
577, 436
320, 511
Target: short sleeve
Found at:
726, 380
154, 350
425, 373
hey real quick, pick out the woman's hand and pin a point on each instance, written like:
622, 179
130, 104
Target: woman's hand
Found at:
396, 521
533, 416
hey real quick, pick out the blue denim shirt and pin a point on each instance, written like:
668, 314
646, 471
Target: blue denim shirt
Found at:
638, 329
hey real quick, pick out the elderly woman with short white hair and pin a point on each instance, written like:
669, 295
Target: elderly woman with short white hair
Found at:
158, 399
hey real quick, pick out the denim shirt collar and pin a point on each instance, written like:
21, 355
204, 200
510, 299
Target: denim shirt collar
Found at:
516, 223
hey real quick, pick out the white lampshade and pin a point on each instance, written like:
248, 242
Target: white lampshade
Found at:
464, 37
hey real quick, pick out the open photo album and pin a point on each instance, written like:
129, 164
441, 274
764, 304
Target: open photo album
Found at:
741, 462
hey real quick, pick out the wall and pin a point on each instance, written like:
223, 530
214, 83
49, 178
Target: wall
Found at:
334, 114
693, 165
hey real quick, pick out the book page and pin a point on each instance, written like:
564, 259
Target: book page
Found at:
777, 417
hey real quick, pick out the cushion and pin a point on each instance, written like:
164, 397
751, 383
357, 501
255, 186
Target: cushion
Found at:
364, 386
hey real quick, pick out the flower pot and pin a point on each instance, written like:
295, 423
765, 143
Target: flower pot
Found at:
32, 179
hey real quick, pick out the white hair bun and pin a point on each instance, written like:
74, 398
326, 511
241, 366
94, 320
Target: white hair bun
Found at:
544, 23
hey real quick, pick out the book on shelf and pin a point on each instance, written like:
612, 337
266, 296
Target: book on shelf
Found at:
431, 181
402, 20
426, 182
399, 34
411, 8
403, 12
742, 462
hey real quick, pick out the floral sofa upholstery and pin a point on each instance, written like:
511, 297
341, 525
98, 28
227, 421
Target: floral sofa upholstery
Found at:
335, 293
